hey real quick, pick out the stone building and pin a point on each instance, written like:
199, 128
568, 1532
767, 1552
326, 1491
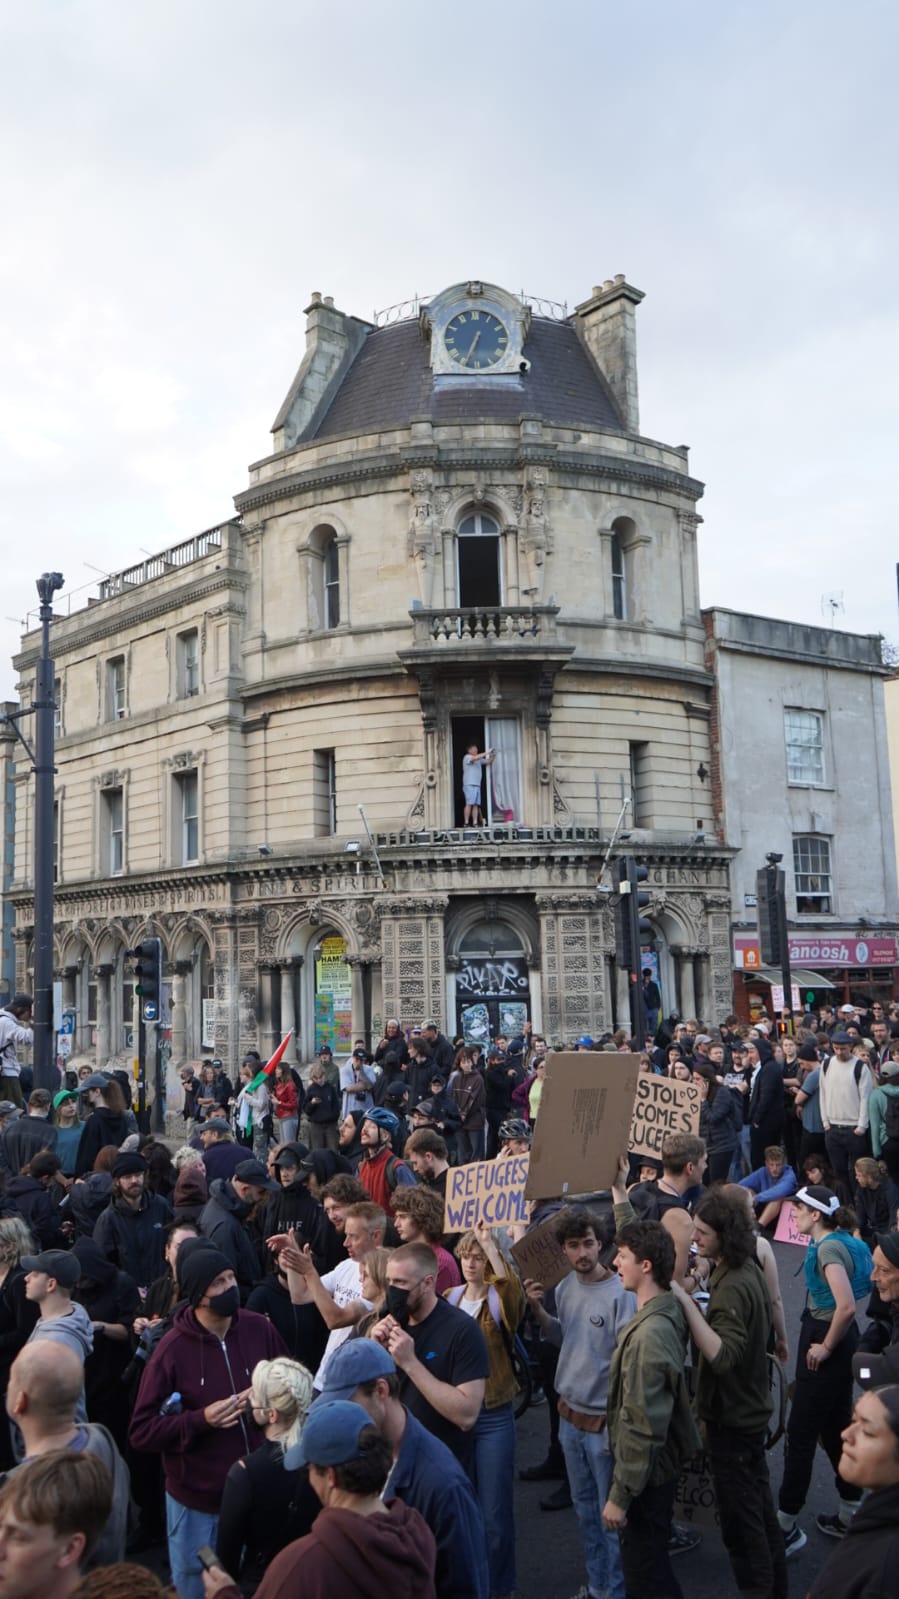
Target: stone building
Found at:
459, 537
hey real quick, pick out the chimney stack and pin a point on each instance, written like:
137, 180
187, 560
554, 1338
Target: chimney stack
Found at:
607, 325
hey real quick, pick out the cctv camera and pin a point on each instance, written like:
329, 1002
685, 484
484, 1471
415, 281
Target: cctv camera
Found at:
524, 366
266, 849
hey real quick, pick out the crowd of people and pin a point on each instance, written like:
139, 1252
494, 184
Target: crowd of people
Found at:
261, 1352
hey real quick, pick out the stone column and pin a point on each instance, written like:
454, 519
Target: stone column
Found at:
289, 1007
686, 992
702, 977
69, 994
181, 971
512, 591
412, 958
622, 996
573, 950
104, 1012
268, 1033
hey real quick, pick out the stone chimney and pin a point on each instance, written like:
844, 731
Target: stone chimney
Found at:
607, 326
333, 340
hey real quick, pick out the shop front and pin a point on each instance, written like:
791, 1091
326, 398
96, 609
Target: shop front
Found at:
836, 967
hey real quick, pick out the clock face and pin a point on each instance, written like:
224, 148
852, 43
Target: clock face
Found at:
476, 339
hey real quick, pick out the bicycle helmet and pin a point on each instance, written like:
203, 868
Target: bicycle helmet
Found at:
515, 1127
382, 1118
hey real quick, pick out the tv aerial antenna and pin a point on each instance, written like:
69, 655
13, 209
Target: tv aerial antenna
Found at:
832, 605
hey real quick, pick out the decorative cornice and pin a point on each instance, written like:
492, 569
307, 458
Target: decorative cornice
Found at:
380, 465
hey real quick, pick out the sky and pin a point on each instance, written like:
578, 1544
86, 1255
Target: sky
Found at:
178, 177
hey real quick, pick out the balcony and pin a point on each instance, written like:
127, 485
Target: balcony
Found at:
475, 633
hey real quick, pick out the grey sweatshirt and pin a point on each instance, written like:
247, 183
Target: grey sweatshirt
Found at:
76, 1331
590, 1317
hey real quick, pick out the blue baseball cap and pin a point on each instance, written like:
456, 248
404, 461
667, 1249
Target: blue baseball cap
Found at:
356, 1361
330, 1436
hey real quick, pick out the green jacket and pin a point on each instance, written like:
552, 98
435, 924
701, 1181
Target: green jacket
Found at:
732, 1390
652, 1432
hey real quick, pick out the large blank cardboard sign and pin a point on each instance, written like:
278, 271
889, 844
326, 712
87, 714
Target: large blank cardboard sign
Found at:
584, 1124
540, 1255
662, 1106
486, 1190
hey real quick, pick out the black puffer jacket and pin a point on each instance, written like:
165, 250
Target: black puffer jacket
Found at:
34, 1205
103, 1127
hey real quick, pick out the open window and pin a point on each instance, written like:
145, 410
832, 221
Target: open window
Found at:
479, 577
501, 787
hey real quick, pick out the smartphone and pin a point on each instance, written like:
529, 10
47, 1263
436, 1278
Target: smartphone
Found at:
208, 1558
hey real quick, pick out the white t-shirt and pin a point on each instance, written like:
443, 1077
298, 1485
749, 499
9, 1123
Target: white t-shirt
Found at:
344, 1284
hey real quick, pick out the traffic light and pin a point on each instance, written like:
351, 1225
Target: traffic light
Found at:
148, 976
769, 888
624, 947
630, 927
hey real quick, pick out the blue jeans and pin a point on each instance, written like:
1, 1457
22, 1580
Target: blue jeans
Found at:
589, 1462
494, 1477
187, 1531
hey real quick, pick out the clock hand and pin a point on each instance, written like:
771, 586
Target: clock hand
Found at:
473, 343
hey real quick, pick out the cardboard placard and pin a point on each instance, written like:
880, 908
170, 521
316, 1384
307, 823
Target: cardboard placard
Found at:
586, 1111
540, 1255
786, 1231
662, 1106
694, 1499
486, 1190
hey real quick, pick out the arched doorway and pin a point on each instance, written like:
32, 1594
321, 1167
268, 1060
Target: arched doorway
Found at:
332, 981
493, 991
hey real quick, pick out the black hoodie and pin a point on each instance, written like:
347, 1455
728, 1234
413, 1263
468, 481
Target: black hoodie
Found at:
864, 1565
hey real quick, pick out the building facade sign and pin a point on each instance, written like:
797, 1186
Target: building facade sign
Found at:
820, 950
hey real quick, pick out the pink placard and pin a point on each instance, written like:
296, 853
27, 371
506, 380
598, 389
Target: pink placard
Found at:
786, 1231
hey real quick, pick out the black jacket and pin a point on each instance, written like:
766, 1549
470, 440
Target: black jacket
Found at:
294, 1206
134, 1240
864, 1564
224, 1221
22, 1139
442, 1054
36, 1208
322, 1104
766, 1102
102, 1127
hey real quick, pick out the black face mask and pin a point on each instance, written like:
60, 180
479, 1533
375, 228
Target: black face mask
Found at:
397, 1301
226, 1303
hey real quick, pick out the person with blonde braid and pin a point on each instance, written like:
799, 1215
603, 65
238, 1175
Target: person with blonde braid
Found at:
18, 1314
264, 1506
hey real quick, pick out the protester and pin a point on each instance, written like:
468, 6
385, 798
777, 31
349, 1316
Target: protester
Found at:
18, 1313
380, 1171
131, 1231
226, 1214
592, 1307
191, 1405
732, 1388
492, 1295
651, 1428
425, 1475
864, 1566
107, 1123
52, 1512
265, 1506
770, 1185
418, 1214
822, 1397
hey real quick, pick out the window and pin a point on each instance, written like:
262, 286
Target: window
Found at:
57, 707
499, 781
811, 871
189, 817
115, 688
804, 734
639, 778
112, 841
332, 584
324, 793
188, 664
478, 557
619, 588
56, 840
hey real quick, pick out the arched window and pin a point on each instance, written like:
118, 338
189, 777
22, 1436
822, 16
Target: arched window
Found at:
332, 583
619, 578
478, 560
322, 560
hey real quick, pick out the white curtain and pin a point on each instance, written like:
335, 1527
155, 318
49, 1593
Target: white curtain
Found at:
504, 776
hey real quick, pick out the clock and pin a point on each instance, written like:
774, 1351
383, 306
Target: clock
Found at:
475, 339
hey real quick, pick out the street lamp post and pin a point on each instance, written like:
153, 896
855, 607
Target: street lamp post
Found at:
45, 1075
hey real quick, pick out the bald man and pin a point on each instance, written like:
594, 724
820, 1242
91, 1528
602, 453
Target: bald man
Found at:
42, 1396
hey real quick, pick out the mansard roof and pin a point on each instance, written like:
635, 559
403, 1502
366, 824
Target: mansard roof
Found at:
390, 384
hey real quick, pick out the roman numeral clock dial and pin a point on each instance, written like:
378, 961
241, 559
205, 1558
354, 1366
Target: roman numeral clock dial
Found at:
476, 340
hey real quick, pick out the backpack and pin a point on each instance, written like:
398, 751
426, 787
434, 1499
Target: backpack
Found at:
862, 1266
857, 1074
515, 1348
891, 1116
390, 1170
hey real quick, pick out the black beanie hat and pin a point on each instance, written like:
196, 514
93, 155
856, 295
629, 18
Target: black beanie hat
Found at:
198, 1264
807, 1051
